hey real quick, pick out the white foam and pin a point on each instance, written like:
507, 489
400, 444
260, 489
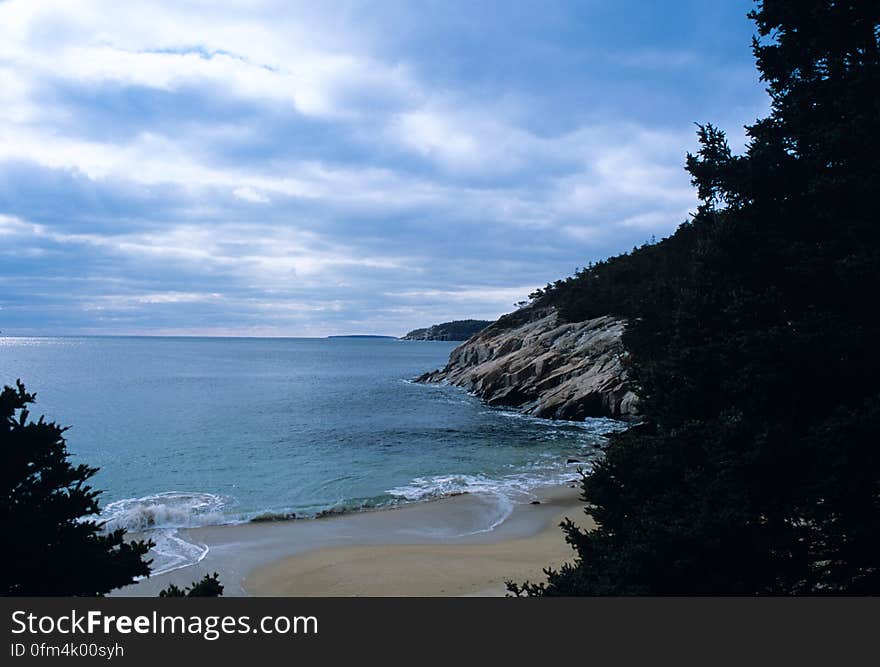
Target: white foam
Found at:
425, 488
503, 492
592, 425
171, 509
172, 552
159, 516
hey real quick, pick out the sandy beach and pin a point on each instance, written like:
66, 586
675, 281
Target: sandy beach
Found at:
439, 548
449, 569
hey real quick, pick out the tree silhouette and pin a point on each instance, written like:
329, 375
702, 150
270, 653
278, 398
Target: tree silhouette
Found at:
51, 542
208, 587
752, 332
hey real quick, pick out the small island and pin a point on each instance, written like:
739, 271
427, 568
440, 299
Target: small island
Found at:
455, 330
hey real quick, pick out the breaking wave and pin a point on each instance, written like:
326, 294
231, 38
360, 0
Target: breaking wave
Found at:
171, 509
159, 516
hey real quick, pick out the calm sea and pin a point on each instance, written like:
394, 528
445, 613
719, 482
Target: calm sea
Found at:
196, 431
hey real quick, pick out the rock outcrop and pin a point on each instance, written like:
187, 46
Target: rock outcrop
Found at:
532, 361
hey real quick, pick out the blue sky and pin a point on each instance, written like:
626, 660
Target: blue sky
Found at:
303, 169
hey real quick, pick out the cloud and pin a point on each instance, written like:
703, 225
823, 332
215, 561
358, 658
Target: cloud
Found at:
286, 168
247, 193
217, 46
266, 253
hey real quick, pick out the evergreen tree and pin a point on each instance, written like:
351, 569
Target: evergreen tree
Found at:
752, 333
208, 587
51, 544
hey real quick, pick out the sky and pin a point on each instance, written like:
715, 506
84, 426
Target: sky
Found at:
278, 168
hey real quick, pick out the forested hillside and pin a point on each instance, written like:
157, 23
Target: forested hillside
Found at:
455, 330
752, 333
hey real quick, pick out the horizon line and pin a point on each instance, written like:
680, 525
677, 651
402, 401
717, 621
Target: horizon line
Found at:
221, 336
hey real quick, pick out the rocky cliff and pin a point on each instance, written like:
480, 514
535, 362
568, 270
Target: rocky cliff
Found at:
532, 361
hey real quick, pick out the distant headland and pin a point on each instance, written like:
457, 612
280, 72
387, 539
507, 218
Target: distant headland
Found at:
456, 330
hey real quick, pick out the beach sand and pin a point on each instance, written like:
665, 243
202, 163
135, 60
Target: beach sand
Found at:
432, 548
449, 569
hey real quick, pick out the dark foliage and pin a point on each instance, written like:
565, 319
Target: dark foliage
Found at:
51, 545
455, 330
753, 333
208, 587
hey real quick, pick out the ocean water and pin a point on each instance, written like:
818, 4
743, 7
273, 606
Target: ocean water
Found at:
198, 431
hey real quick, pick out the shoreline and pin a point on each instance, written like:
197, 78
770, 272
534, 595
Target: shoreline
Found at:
440, 548
453, 568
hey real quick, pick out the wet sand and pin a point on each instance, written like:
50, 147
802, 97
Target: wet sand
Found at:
434, 548
449, 569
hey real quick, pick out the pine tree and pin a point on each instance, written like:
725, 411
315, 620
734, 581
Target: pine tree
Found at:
208, 586
51, 542
752, 332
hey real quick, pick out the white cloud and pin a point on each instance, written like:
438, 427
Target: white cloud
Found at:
178, 297
460, 136
437, 136
499, 297
269, 256
247, 193
13, 226
130, 302
286, 57
266, 56
410, 165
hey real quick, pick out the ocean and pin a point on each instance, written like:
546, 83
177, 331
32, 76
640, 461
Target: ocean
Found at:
198, 431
